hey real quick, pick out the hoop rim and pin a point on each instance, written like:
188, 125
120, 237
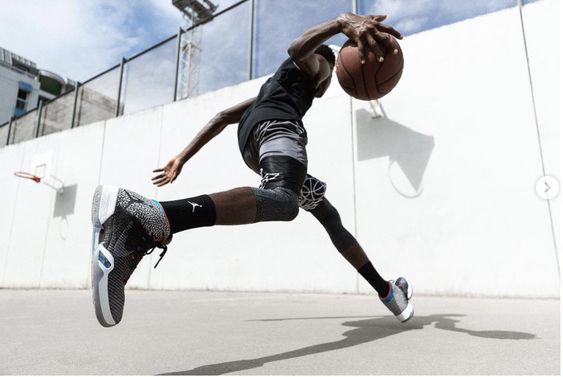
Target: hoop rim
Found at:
24, 174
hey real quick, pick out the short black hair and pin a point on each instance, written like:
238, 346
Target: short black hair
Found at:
327, 53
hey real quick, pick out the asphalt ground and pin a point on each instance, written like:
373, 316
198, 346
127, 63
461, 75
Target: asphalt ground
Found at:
210, 333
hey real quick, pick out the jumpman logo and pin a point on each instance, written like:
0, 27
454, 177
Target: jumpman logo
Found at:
267, 177
194, 205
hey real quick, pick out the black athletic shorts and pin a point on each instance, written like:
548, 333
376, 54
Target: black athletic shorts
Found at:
283, 139
276, 138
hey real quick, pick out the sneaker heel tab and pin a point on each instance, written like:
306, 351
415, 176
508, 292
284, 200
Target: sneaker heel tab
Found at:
387, 299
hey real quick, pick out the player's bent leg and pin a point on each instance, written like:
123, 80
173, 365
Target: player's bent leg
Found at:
348, 246
312, 199
126, 227
395, 295
341, 238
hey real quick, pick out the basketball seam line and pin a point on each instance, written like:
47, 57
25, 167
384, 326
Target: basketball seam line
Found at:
349, 75
364, 81
388, 79
375, 75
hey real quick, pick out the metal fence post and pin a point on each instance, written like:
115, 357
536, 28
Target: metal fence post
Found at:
178, 55
9, 130
251, 52
39, 111
121, 67
73, 119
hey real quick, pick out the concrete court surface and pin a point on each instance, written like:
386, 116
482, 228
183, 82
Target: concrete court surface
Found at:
209, 333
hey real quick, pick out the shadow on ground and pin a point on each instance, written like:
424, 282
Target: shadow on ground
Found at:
364, 331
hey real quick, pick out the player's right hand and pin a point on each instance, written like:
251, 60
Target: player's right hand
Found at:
367, 32
168, 173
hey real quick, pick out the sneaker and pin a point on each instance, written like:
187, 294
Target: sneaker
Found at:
398, 298
126, 227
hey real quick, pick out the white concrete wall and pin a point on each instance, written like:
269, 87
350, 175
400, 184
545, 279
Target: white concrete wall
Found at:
464, 105
441, 190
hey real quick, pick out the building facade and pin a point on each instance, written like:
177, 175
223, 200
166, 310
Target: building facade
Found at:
23, 85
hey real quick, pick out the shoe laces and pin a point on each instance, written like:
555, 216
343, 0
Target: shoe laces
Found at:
161, 246
140, 250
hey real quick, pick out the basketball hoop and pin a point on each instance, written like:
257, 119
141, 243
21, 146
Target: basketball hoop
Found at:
23, 174
59, 187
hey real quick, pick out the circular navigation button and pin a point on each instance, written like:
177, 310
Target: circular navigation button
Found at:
547, 187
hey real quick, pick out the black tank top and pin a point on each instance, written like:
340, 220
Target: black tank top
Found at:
287, 95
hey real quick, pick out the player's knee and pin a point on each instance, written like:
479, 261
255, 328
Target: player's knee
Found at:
325, 212
292, 209
276, 204
312, 193
287, 204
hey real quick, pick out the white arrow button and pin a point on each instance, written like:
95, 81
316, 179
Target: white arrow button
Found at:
547, 187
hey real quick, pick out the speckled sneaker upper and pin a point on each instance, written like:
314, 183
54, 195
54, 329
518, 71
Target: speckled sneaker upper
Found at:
397, 300
126, 226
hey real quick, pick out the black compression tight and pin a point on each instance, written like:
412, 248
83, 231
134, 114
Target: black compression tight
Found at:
348, 246
329, 217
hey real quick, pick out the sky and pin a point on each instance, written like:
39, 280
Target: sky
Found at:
81, 38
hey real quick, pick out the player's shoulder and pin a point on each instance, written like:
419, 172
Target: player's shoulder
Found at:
307, 69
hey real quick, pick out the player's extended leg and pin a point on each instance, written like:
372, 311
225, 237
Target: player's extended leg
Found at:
128, 225
348, 246
395, 295
275, 200
277, 152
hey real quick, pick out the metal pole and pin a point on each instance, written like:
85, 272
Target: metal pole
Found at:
40, 110
355, 6
190, 53
251, 52
178, 54
9, 130
121, 66
74, 105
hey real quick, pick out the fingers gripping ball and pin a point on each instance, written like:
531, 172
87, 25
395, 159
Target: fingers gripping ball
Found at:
312, 193
373, 79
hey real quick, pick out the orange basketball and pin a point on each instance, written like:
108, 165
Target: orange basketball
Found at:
373, 79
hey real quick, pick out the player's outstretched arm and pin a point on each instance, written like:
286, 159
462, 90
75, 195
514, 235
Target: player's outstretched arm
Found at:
365, 31
214, 127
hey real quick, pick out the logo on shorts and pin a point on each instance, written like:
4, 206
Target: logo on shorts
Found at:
267, 177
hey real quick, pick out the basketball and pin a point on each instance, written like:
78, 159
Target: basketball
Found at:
373, 79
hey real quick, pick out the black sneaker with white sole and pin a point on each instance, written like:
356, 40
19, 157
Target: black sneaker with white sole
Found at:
127, 226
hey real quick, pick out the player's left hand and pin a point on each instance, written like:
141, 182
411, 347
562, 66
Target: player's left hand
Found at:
368, 32
168, 173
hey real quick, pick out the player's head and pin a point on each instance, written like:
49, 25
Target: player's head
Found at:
325, 52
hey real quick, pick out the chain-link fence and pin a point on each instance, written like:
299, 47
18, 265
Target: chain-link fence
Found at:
247, 39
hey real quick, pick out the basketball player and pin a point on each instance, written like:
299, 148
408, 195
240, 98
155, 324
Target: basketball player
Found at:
272, 140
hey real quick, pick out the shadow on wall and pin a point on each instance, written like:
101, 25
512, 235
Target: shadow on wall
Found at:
361, 332
408, 151
65, 202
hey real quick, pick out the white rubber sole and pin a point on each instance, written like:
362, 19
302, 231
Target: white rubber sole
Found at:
103, 206
406, 314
